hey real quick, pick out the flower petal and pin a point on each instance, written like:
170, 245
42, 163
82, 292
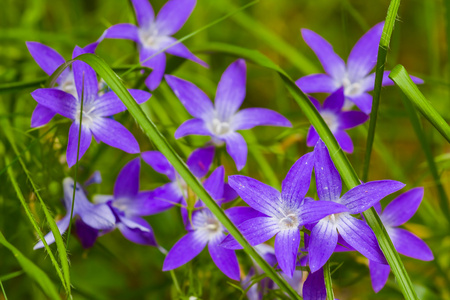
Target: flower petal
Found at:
251, 117
110, 104
173, 15
317, 83
153, 202
362, 101
312, 137
181, 50
136, 235
114, 134
331, 62
364, 196
159, 163
188, 247
127, 182
144, 12
158, 64
313, 211
199, 162
192, 126
56, 100
225, 259
379, 274
72, 145
335, 101
323, 241
350, 119
314, 286
122, 31
41, 116
286, 249
215, 182
98, 216
402, 208
410, 245
47, 58
62, 225
86, 234
237, 149
85, 78
193, 99
258, 195
344, 140
240, 214
231, 90
328, 180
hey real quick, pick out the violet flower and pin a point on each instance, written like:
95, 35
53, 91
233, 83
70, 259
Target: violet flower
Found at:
129, 205
337, 120
96, 112
396, 213
155, 34
354, 76
221, 120
324, 235
283, 213
89, 217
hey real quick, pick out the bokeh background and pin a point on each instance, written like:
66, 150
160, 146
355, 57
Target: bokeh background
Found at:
118, 269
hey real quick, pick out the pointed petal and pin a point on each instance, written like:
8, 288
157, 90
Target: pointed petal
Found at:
362, 101
328, 180
258, 195
193, 99
56, 100
314, 286
323, 241
237, 149
344, 140
335, 101
379, 274
114, 134
188, 247
350, 119
62, 225
251, 117
296, 183
97, 216
192, 126
312, 137
110, 104
127, 182
410, 245
144, 12
199, 162
225, 259
137, 235
402, 208
364, 196
314, 211
86, 234
231, 90
359, 235
153, 202
181, 50
159, 163
47, 58
214, 183
72, 145
240, 214
85, 78
41, 116
228, 194
158, 64
317, 83
122, 31
173, 15
286, 249
331, 62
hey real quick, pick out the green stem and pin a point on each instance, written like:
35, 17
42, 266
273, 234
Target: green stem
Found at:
3, 290
327, 278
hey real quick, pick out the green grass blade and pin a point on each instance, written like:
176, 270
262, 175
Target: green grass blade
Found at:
401, 78
327, 278
32, 270
3, 290
381, 61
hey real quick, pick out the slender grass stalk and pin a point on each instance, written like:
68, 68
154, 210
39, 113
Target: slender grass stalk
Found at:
11, 275
327, 278
401, 78
14, 86
447, 35
3, 290
379, 70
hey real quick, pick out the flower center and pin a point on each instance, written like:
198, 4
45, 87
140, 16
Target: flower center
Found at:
330, 119
88, 116
149, 37
289, 221
68, 85
219, 128
351, 89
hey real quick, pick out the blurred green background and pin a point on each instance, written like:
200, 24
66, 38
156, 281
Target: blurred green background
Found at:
118, 269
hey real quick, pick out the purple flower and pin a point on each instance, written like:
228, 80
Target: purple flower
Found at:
399, 211
222, 120
353, 77
129, 205
337, 120
97, 110
155, 34
282, 213
89, 217
355, 232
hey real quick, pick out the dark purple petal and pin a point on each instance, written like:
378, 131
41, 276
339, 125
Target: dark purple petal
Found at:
328, 180
47, 58
159, 163
323, 241
402, 208
58, 101
317, 83
158, 64
364, 196
344, 140
122, 31
316, 103
153, 202
127, 182
251, 117
192, 126
62, 225
85, 78
379, 274
225, 259
182, 51
110, 104
137, 235
41, 116
363, 56
86, 234
114, 134
200, 161
410, 245
316, 210
296, 183
256, 231
286, 248
331, 62
335, 101
194, 99
144, 12
362, 101
237, 149
314, 286
240, 214
72, 145
258, 195
312, 137
228, 194
173, 15
214, 183
231, 90
188, 247
359, 235
350, 119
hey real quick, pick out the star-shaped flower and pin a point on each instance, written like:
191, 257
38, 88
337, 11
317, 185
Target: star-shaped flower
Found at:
96, 113
354, 76
222, 120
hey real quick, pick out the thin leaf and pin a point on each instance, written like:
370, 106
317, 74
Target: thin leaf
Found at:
327, 278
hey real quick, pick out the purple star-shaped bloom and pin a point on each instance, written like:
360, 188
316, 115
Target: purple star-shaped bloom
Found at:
97, 110
89, 217
398, 212
129, 205
354, 76
355, 232
337, 120
282, 213
155, 34
222, 120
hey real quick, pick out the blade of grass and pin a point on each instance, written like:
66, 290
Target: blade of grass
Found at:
11, 275
32, 270
3, 290
401, 78
327, 278
379, 70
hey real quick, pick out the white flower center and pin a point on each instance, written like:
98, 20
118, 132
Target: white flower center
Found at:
88, 116
206, 222
68, 85
289, 221
351, 89
330, 119
150, 37
219, 127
